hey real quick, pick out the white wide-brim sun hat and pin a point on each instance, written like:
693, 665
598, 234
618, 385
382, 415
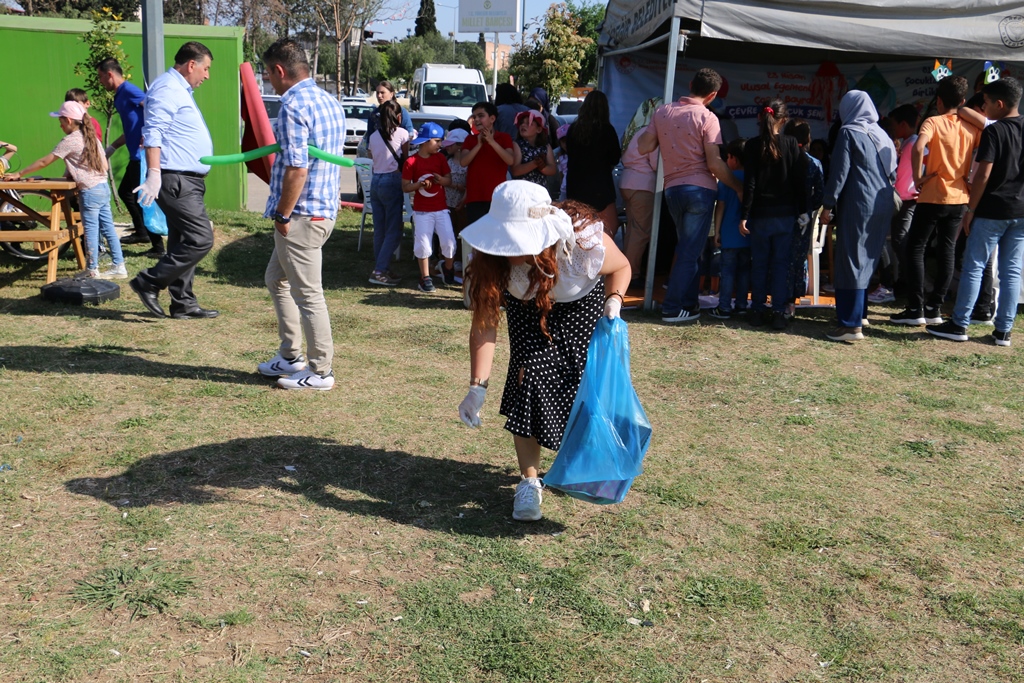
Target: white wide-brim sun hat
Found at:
521, 222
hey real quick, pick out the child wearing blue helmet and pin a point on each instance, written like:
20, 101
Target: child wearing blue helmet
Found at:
426, 174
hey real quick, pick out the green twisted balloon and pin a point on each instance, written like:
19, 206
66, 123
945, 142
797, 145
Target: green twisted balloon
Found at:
261, 152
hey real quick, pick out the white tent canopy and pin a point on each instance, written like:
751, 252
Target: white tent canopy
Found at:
965, 29
805, 31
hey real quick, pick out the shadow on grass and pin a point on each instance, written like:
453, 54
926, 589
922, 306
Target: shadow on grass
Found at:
110, 359
37, 305
393, 485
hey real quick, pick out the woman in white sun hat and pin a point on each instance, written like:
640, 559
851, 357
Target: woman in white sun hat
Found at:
544, 265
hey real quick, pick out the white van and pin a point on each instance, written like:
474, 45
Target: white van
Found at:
446, 89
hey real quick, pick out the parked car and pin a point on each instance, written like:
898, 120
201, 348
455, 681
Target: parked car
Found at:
273, 106
568, 108
418, 119
356, 118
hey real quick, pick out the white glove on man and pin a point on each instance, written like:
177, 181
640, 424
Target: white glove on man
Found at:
149, 190
109, 151
803, 220
469, 409
612, 306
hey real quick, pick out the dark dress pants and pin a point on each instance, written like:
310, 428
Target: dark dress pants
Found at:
189, 239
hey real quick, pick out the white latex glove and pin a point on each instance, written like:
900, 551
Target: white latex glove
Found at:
149, 190
109, 150
612, 306
803, 220
469, 409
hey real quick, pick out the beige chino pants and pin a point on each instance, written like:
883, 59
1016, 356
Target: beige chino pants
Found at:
294, 278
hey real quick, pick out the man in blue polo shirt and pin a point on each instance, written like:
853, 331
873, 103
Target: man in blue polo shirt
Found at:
128, 100
176, 137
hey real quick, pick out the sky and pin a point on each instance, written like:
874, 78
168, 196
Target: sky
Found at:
405, 12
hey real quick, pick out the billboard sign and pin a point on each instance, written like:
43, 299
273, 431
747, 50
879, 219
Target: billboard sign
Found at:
490, 16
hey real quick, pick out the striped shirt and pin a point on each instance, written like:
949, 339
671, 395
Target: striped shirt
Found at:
309, 116
174, 124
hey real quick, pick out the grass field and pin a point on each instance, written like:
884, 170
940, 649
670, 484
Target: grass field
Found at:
810, 511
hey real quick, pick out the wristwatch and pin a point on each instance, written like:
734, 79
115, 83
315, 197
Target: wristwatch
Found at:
278, 218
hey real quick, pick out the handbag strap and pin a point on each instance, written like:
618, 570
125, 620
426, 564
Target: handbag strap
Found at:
399, 159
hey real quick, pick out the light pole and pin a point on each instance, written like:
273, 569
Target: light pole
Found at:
455, 23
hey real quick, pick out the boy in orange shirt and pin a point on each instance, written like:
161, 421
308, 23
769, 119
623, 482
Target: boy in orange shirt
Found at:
941, 179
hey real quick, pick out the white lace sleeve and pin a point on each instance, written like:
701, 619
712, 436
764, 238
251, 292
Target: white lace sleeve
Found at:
588, 256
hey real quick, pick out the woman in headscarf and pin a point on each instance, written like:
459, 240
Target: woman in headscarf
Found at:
860, 189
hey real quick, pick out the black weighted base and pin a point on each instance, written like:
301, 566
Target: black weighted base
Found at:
84, 290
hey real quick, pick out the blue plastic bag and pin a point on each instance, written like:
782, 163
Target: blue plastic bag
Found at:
608, 433
152, 216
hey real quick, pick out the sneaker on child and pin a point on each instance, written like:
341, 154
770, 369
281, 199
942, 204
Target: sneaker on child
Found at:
426, 284
114, 273
307, 379
1001, 338
682, 316
279, 366
908, 317
88, 273
932, 316
881, 295
378, 277
526, 504
717, 312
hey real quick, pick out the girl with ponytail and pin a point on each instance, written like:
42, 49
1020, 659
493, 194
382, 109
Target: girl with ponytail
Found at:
87, 165
774, 190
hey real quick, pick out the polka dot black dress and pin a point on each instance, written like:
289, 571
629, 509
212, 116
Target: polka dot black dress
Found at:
552, 368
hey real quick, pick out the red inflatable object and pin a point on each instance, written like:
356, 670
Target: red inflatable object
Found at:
258, 131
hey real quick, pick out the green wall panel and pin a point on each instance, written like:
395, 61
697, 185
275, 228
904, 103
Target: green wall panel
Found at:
40, 55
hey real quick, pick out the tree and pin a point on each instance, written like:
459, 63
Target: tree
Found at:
79, 9
551, 58
590, 17
103, 44
184, 12
426, 20
408, 55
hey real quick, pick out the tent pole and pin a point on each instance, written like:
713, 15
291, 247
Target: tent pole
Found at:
659, 187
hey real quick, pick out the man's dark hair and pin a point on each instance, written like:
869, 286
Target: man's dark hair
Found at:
190, 51
735, 149
905, 113
110, 64
799, 129
952, 91
459, 124
488, 108
290, 56
705, 82
977, 101
506, 93
1006, 89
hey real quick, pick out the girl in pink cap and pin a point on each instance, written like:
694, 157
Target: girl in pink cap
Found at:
532, 158
87, 165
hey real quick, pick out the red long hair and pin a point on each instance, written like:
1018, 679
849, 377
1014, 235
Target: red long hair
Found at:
489, 275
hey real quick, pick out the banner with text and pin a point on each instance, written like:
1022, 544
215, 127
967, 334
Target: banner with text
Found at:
490, 16
811, 92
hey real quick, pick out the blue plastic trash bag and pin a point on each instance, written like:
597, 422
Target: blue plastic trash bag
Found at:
608, 432
152, 217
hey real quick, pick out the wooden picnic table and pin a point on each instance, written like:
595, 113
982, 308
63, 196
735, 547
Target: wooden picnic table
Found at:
60, 192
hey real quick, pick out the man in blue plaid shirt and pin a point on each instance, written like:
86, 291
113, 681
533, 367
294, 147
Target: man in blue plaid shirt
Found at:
304, 194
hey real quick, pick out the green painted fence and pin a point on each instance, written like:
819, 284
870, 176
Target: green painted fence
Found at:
39, 59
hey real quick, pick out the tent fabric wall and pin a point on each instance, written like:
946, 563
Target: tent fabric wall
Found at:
51, 47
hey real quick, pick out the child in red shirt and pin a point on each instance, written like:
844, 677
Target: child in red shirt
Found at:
426, 174
488, 154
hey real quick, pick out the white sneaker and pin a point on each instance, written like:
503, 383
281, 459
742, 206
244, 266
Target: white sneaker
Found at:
114, 273
279, 366
526, 505
88, 273
307, 379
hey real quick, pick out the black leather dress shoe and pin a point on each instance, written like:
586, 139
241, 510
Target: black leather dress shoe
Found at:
195, 313
148, 297
134, 239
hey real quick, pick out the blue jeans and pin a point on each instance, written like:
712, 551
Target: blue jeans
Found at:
691, 207
851, 307
97, 219
771, 246
735, 275
986, 235
388, 202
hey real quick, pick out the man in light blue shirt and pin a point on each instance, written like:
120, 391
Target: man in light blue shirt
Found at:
175, 136
303, 203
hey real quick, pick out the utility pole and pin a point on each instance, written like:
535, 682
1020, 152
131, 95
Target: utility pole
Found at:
494, 71
152, 39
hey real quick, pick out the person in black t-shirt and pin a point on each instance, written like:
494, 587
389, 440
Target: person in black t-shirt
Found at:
995, 215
